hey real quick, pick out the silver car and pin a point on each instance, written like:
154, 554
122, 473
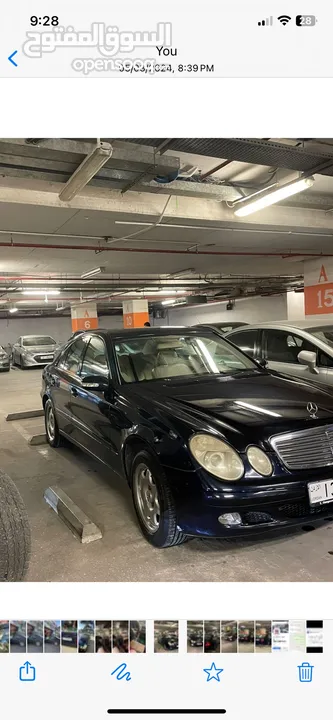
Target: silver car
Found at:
4, 360
303, 347
33, 350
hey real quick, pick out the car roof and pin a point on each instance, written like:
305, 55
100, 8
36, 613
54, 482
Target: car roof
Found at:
288, 324
122, 334
219, 324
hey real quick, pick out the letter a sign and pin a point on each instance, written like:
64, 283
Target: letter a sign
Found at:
322, 275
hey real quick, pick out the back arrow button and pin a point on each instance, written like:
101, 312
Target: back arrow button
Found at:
11, 58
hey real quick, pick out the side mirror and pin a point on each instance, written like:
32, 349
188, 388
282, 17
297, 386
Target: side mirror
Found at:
95, 382
306, 357
262, 362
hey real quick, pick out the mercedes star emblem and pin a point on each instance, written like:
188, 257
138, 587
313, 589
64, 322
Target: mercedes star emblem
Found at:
312, 408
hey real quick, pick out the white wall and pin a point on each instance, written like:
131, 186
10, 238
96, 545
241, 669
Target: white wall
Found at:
251, 310
59, 327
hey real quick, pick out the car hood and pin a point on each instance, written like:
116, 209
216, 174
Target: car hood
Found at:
265, 402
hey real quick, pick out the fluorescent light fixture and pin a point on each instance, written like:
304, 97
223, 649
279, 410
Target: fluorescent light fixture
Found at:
173, 301
93, 272
86, 171
180, 273
275, 196
41, 292
13, 309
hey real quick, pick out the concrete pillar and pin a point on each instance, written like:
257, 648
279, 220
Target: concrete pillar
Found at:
295, 305
135, 313
84, 317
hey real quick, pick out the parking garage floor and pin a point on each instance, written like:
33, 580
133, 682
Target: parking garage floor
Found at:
123, 554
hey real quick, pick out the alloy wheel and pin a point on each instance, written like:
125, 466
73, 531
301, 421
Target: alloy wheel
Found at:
50, 423
147, 500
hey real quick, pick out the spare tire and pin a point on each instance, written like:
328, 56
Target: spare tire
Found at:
15, 540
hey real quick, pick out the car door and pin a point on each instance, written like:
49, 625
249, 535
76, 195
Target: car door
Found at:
281, 349
63, 377
91, 408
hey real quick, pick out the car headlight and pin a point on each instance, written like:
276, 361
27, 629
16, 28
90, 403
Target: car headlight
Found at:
217, 457
259, 461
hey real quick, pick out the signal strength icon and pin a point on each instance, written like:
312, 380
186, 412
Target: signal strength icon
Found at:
284, 19
265, 23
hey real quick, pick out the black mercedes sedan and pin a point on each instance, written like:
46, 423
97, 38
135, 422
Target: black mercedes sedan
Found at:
210, 442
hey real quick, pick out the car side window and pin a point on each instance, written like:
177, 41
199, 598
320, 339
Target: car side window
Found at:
245, 340
95, 360
324, 360
283, 346
71, 361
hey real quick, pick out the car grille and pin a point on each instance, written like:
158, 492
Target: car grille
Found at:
303, 510
41, 357
256, 518
305, 449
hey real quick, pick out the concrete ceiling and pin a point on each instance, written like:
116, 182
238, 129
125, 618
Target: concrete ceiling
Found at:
45, 242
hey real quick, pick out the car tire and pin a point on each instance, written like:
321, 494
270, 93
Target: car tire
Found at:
165, 534
51, 426
15, 539
22, 365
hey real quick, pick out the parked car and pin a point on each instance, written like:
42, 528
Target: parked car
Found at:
196, 639
222, 327
210, 443
245, 635
169, 641
4, 360
212, 642
69, 637
33, 350
303, 348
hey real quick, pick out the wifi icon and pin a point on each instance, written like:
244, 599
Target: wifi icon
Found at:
284, 19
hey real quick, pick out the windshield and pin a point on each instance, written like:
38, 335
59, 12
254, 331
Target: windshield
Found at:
34, 340
173, 356
324, 333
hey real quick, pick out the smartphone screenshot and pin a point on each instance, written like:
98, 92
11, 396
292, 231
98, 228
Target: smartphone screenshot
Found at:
166, 359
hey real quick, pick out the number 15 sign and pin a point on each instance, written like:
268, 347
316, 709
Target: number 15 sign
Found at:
318, 297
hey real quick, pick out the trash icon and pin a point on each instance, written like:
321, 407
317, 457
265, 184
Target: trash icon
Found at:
305, 672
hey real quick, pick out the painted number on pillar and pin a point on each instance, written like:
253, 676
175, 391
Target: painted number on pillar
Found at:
325, 297
87, 324
129, 320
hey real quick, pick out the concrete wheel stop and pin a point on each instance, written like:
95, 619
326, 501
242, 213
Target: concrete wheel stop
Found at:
78, 522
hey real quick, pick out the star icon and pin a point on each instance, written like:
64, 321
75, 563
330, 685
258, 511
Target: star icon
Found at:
213, 673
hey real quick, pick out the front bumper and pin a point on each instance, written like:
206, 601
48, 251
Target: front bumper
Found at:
4, 364
280, 503
33, 362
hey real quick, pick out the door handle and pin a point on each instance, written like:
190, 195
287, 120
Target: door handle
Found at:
74, 391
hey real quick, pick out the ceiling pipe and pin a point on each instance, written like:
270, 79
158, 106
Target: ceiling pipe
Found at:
161, 251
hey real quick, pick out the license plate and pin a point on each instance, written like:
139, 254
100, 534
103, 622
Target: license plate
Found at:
47, 357
321, 492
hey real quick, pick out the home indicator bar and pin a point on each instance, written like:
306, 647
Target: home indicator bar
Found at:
151, 711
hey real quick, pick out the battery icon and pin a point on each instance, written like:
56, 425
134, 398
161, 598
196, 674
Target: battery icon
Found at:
306, 20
